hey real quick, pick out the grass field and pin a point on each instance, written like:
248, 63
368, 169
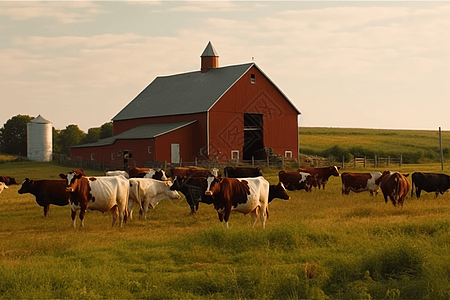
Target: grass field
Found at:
416, 146
318, 245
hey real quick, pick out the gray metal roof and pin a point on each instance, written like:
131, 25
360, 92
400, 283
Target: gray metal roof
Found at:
209, 51
146, 131
185, 93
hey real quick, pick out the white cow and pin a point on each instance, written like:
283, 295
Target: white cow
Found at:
117, 173
147, 192
3, 186
98, 193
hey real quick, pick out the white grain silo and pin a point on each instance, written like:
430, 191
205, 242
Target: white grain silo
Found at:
39, 139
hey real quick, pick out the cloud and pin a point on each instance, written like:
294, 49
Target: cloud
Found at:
63, 12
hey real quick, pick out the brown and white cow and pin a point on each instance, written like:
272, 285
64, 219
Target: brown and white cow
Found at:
244, 195
98, 193
3, 186
323, 174
46, 192
297, 180
360, 182
147, 173
395, 186
147, 193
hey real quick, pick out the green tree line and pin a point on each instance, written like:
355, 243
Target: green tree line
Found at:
13, 136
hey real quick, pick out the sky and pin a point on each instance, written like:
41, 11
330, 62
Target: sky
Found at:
346, 64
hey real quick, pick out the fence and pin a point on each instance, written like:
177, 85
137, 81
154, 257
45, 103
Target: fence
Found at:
376, 162
274, 162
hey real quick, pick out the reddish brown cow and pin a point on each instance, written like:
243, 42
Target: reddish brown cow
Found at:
395, 186
137, 172
8, 180
46, 192
322, 173
187, 172
297, 180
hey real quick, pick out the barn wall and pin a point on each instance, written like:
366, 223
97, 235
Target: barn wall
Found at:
279, 117
186, 137
113, 154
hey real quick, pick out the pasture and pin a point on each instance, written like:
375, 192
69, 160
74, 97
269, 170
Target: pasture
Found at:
318, 245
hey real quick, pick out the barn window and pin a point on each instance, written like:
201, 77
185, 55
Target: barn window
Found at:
252, 78
149, 149
235, 155
288, 154
92, 156
112, 156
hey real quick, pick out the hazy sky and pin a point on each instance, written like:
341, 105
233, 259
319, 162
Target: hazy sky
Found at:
343, 64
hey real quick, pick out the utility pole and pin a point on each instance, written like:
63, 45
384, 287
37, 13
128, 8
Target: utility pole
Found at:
440, 148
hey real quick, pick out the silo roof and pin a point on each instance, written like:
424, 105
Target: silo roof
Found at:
40, 120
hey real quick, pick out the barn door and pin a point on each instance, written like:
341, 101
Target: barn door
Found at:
175, 153
253, 137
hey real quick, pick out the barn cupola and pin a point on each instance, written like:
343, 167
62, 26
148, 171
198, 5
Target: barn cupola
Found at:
210, 59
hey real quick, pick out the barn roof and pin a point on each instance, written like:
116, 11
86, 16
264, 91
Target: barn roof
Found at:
186, 93
146, 131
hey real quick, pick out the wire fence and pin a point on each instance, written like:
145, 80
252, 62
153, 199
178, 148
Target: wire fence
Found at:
274, 162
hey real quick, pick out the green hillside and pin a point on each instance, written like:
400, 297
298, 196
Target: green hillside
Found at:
416, 146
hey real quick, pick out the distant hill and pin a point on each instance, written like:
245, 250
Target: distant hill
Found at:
416, 146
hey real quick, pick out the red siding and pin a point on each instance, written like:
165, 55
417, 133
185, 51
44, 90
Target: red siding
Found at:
279, 117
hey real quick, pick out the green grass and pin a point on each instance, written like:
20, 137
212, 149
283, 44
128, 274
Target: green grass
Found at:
318, 245
416, 146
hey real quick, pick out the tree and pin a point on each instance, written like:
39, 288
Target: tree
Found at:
106, 130
71, 136
13, 135
92, 136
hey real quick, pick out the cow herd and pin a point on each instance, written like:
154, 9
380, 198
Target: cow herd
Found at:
242, 189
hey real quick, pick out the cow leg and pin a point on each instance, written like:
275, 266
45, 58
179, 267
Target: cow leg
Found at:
74, 222
115, 214
47, 207
226, 217
437, 193
418, 190
82, 213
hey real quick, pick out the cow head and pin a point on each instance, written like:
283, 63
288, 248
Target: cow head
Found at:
211, 185
278, 191
26, 185
177, 184
71, 179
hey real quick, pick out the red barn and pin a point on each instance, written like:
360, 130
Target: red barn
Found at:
231, 112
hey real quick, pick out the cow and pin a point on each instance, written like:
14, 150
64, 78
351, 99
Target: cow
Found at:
97, 193
147, 173
147, 192
245, 195
323, 174
360, 182
395, 186
193, 189
46, 192
297, 180
8, 180
3, 186
117, 173
242, 172
278, 191
429, 182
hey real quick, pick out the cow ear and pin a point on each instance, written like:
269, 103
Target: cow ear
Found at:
219, 180
79, 175
63, 176
406, 175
